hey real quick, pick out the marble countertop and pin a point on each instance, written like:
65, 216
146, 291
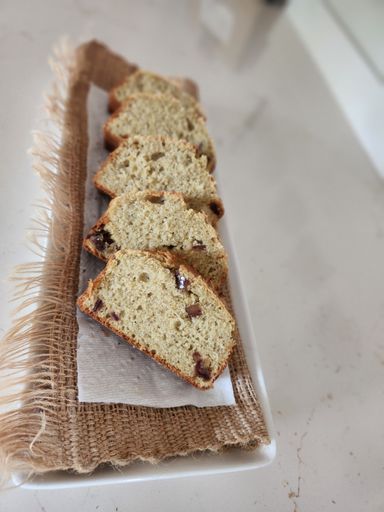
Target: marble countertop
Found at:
305, 209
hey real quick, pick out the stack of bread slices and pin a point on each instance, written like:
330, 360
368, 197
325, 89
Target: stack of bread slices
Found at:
165, 264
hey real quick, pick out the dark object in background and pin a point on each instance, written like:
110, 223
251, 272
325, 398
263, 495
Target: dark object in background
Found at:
278, 3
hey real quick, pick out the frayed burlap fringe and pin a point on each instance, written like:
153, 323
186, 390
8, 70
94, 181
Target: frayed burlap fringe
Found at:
43, 427
26, 372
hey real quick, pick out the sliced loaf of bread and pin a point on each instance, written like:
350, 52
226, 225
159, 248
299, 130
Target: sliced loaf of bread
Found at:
162, 308
147, 82
159, 221
149, 114
161, 163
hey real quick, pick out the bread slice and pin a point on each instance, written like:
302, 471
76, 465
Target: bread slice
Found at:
151, 83
155, 221
162, 308
149, 114
161, 163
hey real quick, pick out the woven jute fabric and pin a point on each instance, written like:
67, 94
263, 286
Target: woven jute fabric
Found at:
43, 426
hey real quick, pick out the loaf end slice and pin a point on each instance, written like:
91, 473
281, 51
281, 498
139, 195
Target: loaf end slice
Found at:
161, 163
149, 114
160, 221
164, 309
142, 81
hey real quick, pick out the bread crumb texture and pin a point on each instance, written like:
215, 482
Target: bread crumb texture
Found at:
150, 114
158, 163
148, 82
160, 220
164, 309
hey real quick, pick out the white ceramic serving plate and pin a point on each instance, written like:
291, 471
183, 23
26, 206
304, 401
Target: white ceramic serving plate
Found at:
195, 465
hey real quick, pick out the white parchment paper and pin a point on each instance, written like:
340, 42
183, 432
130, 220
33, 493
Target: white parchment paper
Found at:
109, 369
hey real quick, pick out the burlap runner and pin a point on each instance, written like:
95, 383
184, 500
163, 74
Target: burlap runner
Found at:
52, 430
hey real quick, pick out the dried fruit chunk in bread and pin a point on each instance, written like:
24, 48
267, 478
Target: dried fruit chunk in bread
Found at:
161, 163
147, 82
162, 308
149, 114
159, 221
